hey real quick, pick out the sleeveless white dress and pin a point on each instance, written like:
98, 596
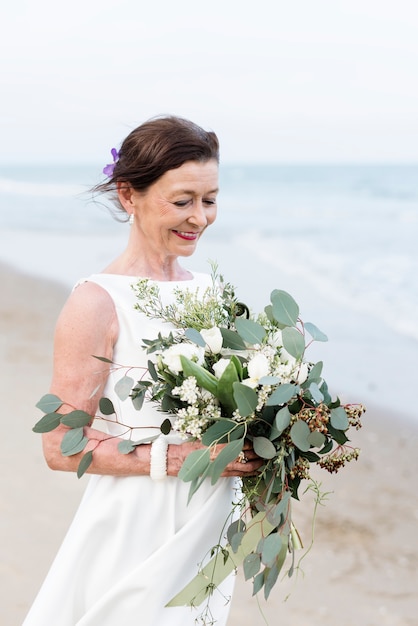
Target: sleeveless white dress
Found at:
135, 543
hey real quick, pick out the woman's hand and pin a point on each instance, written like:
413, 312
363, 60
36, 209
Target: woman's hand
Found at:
246, 464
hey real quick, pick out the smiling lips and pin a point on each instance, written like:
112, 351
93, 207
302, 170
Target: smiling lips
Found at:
185, 235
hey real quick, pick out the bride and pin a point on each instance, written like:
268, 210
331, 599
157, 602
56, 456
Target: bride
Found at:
134, 541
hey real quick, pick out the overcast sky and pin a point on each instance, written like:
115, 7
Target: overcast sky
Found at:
279, 81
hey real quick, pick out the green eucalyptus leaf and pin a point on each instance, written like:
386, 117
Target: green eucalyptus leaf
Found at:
138, 398
49, 403
338, 435
221, 432
204, 378
123, 387
85, 463
316, 393
245, 398
277, 513
282, 419
251, 332
228, 454
299, 434
282, 394
339, 419
314, 332
152, 371
237, 526
316, 372
293, 342
236, 541
231, 339
264, 448
166, 427
73, 442
106, 406
271, 580
126, 446
258, 583
251, 565
271, 548
269, 380
316, 439
47, 423
194, 464
76, 418
193, 335
102, 358
285, 309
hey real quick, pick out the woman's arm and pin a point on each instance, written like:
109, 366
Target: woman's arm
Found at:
88, 326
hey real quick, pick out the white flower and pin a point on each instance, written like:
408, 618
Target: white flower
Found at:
220, 367
302, 374
213, 339
171, 356
258, 366
275, 339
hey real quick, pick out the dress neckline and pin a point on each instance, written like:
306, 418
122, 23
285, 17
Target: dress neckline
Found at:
135, 278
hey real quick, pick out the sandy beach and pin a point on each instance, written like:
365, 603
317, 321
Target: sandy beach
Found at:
362, 569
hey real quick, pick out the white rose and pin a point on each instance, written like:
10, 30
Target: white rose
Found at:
285, 357
303, 373
213, 339
171, 356
220, 367
275, 339
258, 366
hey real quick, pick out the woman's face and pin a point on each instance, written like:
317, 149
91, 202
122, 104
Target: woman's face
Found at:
171, 215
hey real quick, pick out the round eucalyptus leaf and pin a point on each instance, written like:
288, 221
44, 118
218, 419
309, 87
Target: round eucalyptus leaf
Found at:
299, 433
316, 439
339, 419
271, 548
293, 342
126, 446
285, 310
264, 448
106, 406
123, 387
314, 332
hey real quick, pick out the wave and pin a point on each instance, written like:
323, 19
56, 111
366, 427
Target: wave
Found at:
50, 190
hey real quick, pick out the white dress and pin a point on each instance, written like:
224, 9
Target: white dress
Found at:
135, 543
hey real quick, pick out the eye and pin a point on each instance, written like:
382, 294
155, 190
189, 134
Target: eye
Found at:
181, 203
209, 201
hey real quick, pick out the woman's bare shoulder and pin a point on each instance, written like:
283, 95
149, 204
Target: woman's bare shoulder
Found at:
88, 310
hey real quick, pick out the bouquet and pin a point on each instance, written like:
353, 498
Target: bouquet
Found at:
224, 375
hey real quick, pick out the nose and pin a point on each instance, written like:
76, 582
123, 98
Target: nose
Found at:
198, 216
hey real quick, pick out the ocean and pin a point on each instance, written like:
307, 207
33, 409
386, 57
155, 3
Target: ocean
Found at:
340, 238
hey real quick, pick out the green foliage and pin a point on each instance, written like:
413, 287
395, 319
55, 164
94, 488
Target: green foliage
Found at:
251, 332
245, 398
293, 342
123, 387
76, 419
285, 310
49, 403
47, 423
106, 406
84, 464
283, 394
315, 333
73, 442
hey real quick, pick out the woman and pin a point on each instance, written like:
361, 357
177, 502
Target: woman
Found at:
134, 542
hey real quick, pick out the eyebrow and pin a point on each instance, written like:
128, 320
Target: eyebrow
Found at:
192, 192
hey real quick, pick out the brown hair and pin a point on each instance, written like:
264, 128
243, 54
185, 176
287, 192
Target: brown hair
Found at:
158, 145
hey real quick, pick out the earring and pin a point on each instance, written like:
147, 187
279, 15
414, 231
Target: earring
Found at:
131, 219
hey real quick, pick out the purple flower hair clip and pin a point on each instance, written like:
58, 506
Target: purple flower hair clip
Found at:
108, 169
